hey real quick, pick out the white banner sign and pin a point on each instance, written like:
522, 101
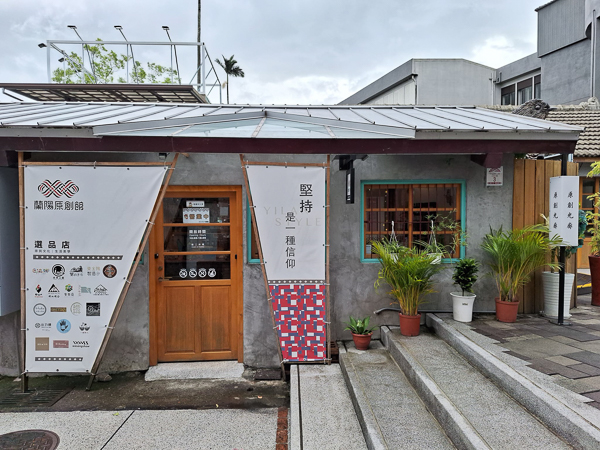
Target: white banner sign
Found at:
83, 226
564, 209
290, 213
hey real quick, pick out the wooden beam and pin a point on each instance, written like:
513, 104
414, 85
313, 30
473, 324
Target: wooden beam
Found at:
24, 379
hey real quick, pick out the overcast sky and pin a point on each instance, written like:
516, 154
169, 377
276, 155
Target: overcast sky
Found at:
292, 51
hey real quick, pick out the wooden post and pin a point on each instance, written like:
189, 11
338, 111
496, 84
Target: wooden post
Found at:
327, 279
132, 270
262, 264
24, 379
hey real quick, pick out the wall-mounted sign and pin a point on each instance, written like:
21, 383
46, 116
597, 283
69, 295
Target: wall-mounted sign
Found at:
564, 209
194, 203
494, 176
83, 226
196, 215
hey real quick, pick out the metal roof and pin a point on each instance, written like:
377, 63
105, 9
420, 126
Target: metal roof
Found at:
50, 92
259, 121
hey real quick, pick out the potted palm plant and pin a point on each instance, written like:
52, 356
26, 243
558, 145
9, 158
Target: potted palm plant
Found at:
513, 256
409, 273
465, 275
361, 333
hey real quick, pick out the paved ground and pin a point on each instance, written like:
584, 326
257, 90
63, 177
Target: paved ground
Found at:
570, 354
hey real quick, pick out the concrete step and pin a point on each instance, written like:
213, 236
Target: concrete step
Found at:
474, 412
390, 412
560, 409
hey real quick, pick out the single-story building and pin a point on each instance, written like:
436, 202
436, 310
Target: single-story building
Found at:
415, 162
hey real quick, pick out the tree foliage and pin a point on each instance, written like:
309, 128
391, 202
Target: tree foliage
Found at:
230, 67
105, 63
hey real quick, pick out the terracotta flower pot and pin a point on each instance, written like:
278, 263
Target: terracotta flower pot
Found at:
410, 325
595, 274
506, 311
362, 341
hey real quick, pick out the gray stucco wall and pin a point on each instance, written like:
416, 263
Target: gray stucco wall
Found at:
352, 290
566, 75
453, 82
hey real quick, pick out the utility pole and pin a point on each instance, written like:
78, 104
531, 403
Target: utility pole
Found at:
199, 40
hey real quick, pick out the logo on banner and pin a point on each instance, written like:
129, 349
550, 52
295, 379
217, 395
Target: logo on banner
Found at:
40, 270
58, 270
84, 290
109, 271
42, 344
76, 271
38, 292
84, 327
81, 344
100, 290
76, 309
60, 309
39, 309
63, 326
92, 309
60, 344
43, 325
69, 287
58, 188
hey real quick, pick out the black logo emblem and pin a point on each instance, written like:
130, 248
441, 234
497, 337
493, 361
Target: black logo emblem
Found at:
38, 289
58, 270
109, 271
75, 270
84, 327
92, 309
53, 290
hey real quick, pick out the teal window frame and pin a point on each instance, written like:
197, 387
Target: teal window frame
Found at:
463, 211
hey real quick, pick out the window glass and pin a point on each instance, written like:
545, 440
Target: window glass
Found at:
197, 267
413, 209
524, 95
195, 239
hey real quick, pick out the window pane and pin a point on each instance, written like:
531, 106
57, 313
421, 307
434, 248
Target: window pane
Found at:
197, 267
193, 239
196, 210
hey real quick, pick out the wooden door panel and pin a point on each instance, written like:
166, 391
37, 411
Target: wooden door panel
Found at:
179, 320
197, 317
215, 318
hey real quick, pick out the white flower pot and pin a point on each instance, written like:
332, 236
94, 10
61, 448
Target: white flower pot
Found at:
437, 257
462, 306
550, 282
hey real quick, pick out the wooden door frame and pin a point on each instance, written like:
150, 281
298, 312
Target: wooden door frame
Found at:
237, 264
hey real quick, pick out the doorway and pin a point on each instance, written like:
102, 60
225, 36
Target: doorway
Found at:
196, 264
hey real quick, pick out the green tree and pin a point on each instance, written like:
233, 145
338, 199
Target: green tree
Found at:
231, 68
105, 63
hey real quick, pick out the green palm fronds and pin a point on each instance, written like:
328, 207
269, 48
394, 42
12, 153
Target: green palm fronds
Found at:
408, 272
514, 255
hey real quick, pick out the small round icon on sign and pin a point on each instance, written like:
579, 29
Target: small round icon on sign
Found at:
212, 273
202, 273
39, 309
183, 273
58, 270
193, 273
109, 271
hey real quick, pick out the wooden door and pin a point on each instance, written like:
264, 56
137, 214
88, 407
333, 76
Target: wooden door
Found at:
196, 265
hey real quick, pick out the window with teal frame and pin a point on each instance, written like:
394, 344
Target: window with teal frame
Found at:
411, 205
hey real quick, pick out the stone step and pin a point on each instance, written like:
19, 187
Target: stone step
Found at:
390, 412
561, 410
474, 412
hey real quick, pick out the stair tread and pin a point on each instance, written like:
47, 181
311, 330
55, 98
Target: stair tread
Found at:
498, 419
401, 416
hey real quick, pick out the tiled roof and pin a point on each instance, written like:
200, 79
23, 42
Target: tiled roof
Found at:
586, 114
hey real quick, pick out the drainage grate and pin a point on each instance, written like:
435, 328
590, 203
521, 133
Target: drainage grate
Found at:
29, 439
17, 399
267, 374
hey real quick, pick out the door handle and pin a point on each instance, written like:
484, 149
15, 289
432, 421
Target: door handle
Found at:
160, 278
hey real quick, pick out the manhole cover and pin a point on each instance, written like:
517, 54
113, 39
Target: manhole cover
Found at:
267, 374
29, 439
48, 397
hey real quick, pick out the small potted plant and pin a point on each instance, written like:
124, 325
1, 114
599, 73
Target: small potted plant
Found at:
513, 256
409, 272
465, 275
361, 333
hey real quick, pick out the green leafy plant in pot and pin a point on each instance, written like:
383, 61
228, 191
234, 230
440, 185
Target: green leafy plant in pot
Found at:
465, 275
361, 332
512, 257
409, 273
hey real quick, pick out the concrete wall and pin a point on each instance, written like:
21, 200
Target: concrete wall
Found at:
560, 23
453, 82
352, 290
403, 94
566, 75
